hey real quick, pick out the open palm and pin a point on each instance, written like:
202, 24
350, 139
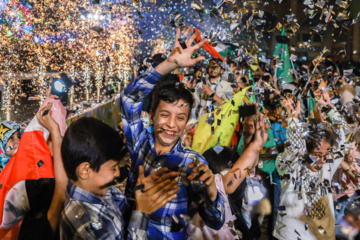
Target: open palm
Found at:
182, 57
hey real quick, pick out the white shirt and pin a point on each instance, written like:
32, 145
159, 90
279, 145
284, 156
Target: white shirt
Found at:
221, 88
288, 226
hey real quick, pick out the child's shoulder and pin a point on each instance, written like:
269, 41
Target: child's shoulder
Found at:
116, 195
76, 213
79, 220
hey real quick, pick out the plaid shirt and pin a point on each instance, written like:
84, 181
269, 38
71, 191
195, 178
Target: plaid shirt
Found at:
163, 224
86, 216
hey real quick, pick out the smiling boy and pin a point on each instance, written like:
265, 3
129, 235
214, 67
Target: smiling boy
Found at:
94, 209
169, 114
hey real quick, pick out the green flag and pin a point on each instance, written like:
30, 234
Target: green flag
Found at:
250, 75
282, 52
252, 97
311, 104
225, 49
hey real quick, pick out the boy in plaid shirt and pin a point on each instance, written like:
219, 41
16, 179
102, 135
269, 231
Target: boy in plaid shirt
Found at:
94, 209
170, 110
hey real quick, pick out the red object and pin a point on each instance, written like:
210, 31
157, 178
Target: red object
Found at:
192, 132
24, 10
181, 77
234, 141
235, 138
31, 161
207, 47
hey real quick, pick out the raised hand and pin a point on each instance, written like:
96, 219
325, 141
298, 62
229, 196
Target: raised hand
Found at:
292, 111
207, 89
45, 119
275, 80
179, 56
325, 100
48, 93
261, 132
202, 173
249, 122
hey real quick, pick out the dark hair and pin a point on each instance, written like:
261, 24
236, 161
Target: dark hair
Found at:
225, 159
218, 162
317, 136
40, 193
171, 92
90, 140
221, 161
196, 69
231, 62
218, 62
243, 79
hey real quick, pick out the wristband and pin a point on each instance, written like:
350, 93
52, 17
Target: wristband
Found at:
212, 95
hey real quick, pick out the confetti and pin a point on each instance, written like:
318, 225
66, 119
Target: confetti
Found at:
218, 149
321, 230
281, 226
248, 170
40, 163
79, 214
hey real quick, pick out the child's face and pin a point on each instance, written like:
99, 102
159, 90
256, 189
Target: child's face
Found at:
13, 143
169, 122
98, 180
214, 70
319, 153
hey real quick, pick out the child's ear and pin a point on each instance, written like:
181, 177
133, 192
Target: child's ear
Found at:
151, 116
83, 170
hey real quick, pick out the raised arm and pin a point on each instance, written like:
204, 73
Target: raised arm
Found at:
132, 97
211, 209
296, 144
341, 143
249, 158
131, 102
57, 203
